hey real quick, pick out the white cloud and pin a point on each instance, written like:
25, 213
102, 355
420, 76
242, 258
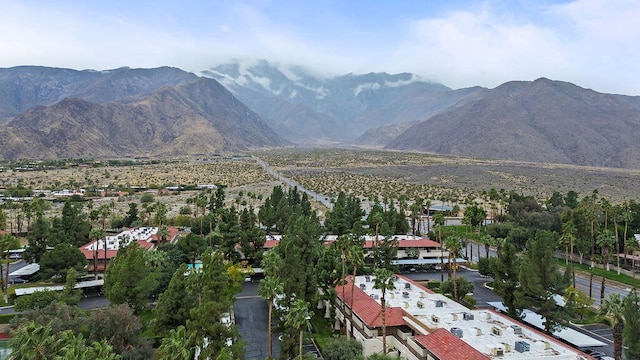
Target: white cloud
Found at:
592, 43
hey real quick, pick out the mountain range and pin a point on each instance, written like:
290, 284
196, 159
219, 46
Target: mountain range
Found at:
241, 105
125, 112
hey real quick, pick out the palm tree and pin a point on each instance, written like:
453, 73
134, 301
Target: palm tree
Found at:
613, 307
269, 288
102, 350
454, 243
179, 345
384, 280
97, 234
298, 317
7, 242
631, 244
33, 342
355, 255
342, 242
163, 232
606, 241
568, 238
438, 220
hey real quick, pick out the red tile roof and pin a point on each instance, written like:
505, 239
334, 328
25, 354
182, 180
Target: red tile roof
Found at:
403, 243
447, 346
369, 310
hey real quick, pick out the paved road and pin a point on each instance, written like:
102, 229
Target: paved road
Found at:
252, 317
324, 199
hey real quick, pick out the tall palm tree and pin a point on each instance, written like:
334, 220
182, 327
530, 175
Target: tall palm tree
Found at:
269, 288
606, 241
355, 255
179, 345
613, 307
438, 220
454, 243
568, 238
298, 317
7, 242
97, 234
384, 280
631, 244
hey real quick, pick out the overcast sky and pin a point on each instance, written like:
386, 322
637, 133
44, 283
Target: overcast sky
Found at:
460, 43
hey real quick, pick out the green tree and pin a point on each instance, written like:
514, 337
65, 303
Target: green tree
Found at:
578, 302
297, 318
38, 239
341, 348
631, 332
179, 345
175, 303
506, 272
55, 263
541, 280
215, 289
122, 329
70, 295
613, 307
128, 280
384, 280
458, 290
192, 246
37, 300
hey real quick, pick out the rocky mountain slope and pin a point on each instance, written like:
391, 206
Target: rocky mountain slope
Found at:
24, 87
197, 117
540, 121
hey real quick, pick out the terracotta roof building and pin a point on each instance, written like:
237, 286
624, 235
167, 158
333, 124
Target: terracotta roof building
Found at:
423, 325
98, 253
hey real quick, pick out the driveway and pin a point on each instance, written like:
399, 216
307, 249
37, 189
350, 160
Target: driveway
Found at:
252, 317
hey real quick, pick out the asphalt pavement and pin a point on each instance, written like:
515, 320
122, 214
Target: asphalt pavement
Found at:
252, 317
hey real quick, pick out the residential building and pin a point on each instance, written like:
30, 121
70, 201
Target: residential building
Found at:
99, 252
423, 325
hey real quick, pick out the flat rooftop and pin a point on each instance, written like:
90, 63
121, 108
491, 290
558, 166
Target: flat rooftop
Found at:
488, 332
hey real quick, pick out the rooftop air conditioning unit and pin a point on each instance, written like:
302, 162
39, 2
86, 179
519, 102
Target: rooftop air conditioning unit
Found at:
454, 317
435, 319
478, 331
496, 351
375, 296
516, 329
407, 286
456, 331
363, 287
420, 305
439, 303
367, 278
405, 294
496, 331
467, 316
522, 346
507, 347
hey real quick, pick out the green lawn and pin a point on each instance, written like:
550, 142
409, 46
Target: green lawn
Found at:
609, 275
